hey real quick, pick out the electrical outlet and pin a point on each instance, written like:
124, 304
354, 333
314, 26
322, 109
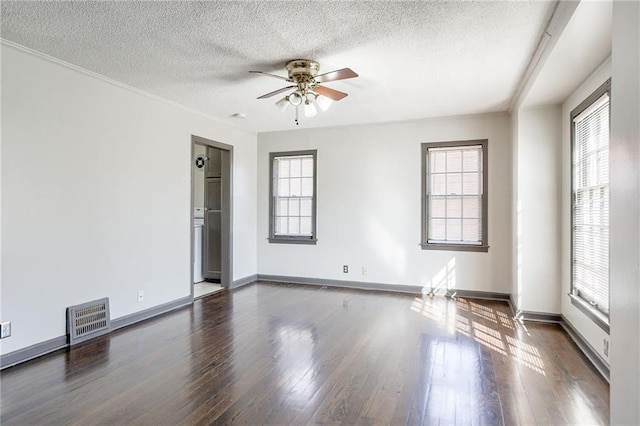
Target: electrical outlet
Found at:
606, 347
345, 269
140, 296
365, 271
6, 330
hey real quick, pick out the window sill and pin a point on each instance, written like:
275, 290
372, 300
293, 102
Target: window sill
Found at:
454, 247
596, 316
308, 241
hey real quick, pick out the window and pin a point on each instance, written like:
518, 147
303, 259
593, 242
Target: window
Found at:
454, 196
293, 197
590, 206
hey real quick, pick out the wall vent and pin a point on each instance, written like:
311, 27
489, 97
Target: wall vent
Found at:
88, 320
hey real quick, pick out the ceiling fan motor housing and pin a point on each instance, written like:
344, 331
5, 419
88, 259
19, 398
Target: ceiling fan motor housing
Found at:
302, 70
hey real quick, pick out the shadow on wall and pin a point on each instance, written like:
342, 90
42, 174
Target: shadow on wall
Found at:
442, 281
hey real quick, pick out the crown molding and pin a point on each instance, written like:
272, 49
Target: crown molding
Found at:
108, 80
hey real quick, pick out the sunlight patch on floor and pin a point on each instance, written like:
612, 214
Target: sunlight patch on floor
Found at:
482, 330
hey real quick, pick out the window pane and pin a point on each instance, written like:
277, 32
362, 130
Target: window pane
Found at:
283, 167
454, 229
454, 183
296, 167
437, 206
438, 161
305, 226
305, 207
471, 230
295, 187
454, 207
283, 188
471, 160
471, 183
603, 167
591, 170
471, 206
454, 161
438, 184
307, 167
437, 229
294, 207
294, 225
307, 187
282, 207
281, 225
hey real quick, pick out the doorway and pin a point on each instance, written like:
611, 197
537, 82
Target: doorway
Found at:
211, 242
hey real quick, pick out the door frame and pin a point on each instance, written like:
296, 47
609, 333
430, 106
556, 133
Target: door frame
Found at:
226, 275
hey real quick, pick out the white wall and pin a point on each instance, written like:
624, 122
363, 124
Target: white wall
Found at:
625, 214
593, 334
537, 242
369, 201
96, 196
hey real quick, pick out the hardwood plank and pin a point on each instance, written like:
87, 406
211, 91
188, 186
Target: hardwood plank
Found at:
286, 354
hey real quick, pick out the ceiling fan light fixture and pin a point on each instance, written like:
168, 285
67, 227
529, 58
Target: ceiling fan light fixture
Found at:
309, 109
295, 99
283, 104
308, 89
323, 102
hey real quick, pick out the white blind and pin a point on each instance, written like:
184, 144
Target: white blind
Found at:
590, 216
293, 195
454, 194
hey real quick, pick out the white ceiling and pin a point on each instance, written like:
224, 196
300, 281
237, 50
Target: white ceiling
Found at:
415, 59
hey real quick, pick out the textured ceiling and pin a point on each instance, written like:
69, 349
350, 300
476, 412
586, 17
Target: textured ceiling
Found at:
415, 59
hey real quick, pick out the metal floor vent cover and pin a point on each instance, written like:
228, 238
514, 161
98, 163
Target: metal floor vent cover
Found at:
88, 320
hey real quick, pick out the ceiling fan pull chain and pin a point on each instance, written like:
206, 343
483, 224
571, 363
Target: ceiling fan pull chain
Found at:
297, 123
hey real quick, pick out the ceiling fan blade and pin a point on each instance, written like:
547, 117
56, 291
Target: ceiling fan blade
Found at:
272, 75
275, 92
342, 74
336, 95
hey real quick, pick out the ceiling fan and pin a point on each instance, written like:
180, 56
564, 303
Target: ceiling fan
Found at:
307, 91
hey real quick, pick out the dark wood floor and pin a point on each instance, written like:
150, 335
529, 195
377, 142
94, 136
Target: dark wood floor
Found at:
282, 354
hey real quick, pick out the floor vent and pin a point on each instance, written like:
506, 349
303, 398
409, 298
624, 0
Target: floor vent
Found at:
88, 320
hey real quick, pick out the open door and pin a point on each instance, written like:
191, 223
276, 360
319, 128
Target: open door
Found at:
216, 244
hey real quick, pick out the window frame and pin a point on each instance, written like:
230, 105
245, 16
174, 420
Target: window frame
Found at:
292, 239
452, 246
598, 317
